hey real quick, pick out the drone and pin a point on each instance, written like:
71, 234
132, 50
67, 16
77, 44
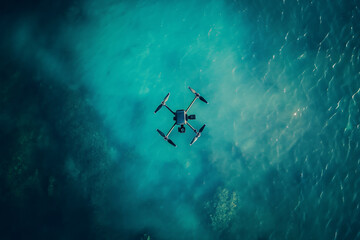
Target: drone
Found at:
181, 118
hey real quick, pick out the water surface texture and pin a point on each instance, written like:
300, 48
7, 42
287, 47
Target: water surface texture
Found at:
279, 156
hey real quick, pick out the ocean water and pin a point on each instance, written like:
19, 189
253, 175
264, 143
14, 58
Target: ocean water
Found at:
278, 159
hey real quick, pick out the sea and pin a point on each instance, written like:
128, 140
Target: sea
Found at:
81, 158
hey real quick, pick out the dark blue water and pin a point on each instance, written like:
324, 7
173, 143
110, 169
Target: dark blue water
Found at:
279, 157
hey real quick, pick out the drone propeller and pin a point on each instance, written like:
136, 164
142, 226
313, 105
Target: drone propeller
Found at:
198, 95
161, 133
166, 138
203, 99
202, 128
162, 103
166, 98
158, 108
198, 134
195, 139
171, 142
192, 90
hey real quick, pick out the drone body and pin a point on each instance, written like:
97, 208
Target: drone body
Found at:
181, 118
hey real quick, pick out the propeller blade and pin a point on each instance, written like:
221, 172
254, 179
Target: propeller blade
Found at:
171, 142
166, 98
203, 99
198, 134
192, 90
160, 132
202, 128
158, 108
194, 140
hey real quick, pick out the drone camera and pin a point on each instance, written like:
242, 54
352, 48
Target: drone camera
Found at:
192, 117
181, 129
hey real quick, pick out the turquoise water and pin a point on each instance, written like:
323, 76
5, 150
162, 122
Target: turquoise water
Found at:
279, 157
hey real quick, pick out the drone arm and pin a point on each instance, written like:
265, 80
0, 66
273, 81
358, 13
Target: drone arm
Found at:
170, 130
191, 104
191, 127
170, 109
